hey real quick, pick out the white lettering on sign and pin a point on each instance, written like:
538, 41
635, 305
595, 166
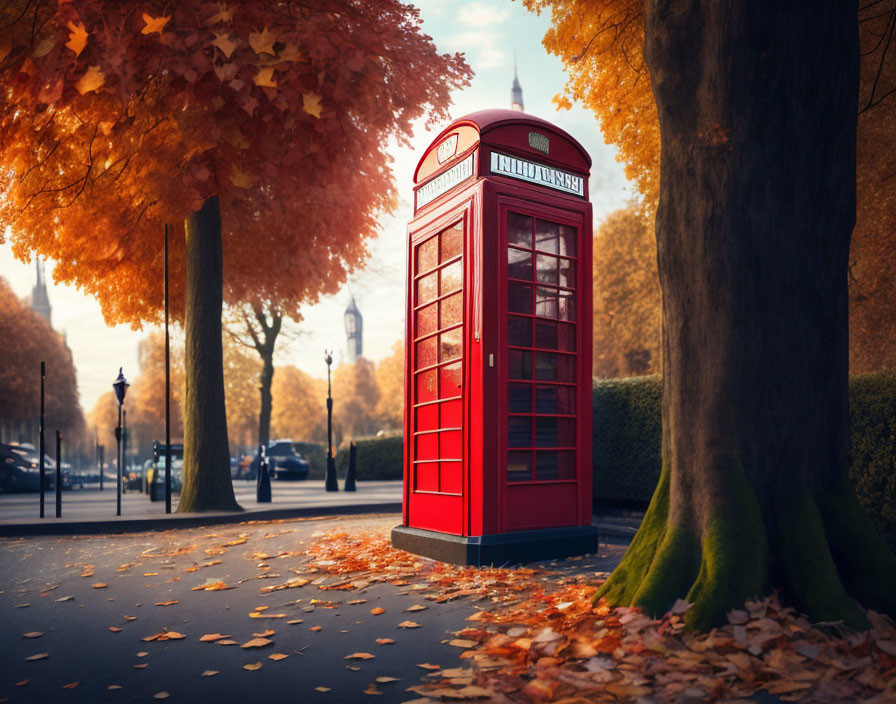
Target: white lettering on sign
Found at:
526, 170
445, 182
447, 149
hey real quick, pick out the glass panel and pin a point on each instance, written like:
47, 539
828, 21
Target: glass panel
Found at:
519, 431
427, 383
427, 417
451, 477
519, 398
555, 399
546, 269
568, 273
567, 240
520, 363
519, 230
546, 302
567, 305
567, 464
427, 353
545, 335
427, 288
566, 368
555, 432
451, 311
519, 466
450, 379
427, 255
546, 366
546, 466
546, 234
451, 277
519, 264
450, 447
519, 298
427, 319
452, 242
427, 476
427, 447
519, 331
451, 414
450, 345
566, 337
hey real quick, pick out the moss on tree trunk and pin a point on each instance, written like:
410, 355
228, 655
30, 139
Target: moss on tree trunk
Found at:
757, 108
207, 485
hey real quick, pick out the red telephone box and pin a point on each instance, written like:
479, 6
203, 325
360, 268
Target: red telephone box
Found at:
498, 364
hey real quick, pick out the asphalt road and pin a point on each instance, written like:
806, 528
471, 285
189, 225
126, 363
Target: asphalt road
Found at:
42, 590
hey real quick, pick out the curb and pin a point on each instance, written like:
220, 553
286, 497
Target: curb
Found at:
189, 520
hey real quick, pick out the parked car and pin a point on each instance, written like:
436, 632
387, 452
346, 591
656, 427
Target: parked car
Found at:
18, 470
158, 465
285, 461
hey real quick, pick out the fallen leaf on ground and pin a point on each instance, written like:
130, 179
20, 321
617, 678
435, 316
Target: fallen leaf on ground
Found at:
359, 656
211, 637
115, 629
130, 618
22, 683
99, 585
142, 654
294, 621
384, 679
415, 607
316, 628
226, 641
371, 689
463, 643
429, 666
378, 610
113, 687
385, 641
257, 643
264, 634
165, 635
210, 673
32, 634
212, 585
167, 603
321, 689
356, 601
278, 656
70, 685
140, 666
39, 656
161, 695
252, 666
62, 598
408, 624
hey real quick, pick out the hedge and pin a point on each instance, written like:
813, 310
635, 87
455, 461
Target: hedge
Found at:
378, 458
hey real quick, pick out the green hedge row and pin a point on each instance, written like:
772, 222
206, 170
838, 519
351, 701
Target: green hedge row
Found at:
378, 458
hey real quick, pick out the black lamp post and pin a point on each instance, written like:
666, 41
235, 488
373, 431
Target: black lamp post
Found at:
332, 484
121, 388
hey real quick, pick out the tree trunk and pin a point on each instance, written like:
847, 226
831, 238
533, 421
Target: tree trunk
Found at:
267, 377
207, 485
757, 109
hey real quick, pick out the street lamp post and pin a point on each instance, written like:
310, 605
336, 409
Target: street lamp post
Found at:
121, 387
167, 391
332, 484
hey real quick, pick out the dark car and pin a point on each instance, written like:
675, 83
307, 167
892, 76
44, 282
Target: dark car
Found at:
286, 462
19, 471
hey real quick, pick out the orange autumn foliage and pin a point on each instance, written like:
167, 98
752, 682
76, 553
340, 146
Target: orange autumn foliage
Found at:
113, 124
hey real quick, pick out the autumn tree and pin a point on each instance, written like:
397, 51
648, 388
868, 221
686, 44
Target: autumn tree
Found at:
390, 382
355, 397
102, 420
241, 368
256, 129
756, 107
627, 304
27, 340
299, 406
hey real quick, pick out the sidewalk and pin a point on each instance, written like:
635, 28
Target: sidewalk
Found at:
93, 511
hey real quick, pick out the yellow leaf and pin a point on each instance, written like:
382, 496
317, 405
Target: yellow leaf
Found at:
378, 610
256, 643
371, 689
210, 673
77, 39
224, 43
154, 24
277, 656
115, 629
265, 77
311, 104
384, 641
429, 666
262, 42
211, 637
408, 624
360, 656
166, 603
252, 666
98, 585
92, 79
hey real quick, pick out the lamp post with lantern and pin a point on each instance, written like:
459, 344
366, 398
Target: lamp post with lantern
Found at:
121, 387
331, 484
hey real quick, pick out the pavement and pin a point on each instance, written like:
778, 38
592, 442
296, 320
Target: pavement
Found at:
89, 510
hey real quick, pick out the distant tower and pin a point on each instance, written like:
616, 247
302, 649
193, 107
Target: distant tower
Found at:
354, 328
40, 301
516, 92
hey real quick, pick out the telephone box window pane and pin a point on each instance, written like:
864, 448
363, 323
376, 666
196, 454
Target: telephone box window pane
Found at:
519, 230
450, 345
451, 477
519, 264
546, 366
547, 466
427, 476
546, 302
452, 242
520, 363
428, 417
555, 400
519, 398
427, 255
568, 273
427, 386
555, 432
452, 309
450, 445
566, 337
427, 353
519, 466
519, 431
546, 236
451, 414
427, 447
546, 269
519, 298
450, 379
519, 331
567, 240
546, 335
451, 278
427, 288
567, 305
427, 319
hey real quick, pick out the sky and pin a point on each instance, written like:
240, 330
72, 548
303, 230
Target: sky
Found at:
492, 34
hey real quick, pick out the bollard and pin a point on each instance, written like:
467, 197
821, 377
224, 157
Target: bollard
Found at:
332, 483
58, 474
352, 460
263, 480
